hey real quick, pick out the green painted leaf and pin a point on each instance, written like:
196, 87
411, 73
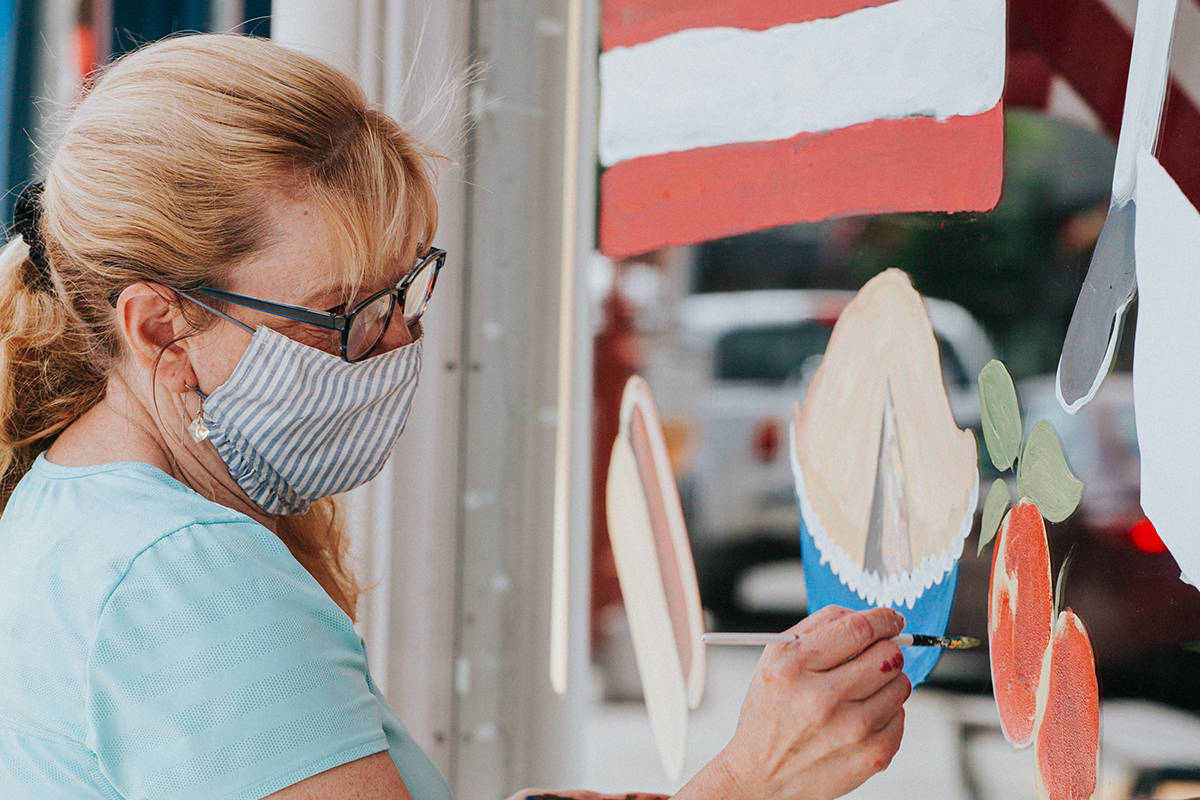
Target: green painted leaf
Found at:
994, 506
1001, 416
1044, 477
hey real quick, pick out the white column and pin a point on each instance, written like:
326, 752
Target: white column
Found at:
327, 30
528, 227
226, 15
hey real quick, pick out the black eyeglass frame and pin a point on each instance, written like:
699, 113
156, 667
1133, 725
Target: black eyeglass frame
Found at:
343, 322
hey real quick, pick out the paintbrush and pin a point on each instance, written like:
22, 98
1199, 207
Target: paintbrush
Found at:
904, 640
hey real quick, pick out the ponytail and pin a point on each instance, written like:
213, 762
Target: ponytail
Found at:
45, 384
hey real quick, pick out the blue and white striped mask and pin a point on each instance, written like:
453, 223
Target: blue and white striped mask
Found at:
295, 424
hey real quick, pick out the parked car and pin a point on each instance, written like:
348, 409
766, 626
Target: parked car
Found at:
727, 385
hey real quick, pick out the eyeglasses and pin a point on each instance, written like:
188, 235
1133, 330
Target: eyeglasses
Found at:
362, 329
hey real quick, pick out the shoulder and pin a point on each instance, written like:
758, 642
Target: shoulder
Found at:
80, 538
217, 661
206, 570
208, 661
93, 524
119, 501
184, 569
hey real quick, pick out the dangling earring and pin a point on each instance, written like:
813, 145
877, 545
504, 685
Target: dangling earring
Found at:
196, 427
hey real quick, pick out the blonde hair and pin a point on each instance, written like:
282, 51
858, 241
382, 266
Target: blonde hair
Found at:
162, 174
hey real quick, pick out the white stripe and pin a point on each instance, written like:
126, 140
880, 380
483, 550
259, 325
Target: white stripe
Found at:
1123, 10
357, 432
1185, 58
1063, 102
712, 86
328, 383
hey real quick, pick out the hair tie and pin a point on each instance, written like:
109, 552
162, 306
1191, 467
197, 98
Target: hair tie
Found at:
27, 220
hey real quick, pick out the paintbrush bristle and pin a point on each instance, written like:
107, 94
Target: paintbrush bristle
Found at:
960, 642
944, 642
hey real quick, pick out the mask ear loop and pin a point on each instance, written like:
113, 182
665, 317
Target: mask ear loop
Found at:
197, 427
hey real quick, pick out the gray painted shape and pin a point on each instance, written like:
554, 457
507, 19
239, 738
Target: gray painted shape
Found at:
1096, 322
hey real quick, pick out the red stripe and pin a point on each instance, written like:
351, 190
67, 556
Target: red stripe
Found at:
1177, 140
1027, 80
1085, 43
913, 164
629, 22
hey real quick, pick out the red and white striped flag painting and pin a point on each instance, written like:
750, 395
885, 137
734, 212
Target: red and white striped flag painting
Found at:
724, 116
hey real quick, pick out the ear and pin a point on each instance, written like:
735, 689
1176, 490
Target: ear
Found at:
152, 324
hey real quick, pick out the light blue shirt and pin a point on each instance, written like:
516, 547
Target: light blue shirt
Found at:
154, 644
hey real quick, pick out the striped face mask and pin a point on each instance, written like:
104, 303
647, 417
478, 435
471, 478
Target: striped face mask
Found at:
295, 424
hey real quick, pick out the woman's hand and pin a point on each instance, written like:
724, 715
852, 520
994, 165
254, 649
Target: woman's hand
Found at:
822, 714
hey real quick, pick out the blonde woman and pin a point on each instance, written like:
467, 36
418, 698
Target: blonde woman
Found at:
209, 324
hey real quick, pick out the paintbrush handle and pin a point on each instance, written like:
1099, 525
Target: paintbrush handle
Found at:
751, 639
904, 639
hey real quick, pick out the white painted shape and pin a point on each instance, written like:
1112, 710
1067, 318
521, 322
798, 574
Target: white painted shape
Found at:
637, 394
1166, 365
663, 683
1144, 93
713, 86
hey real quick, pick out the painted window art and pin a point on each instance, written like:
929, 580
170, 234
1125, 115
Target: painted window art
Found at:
1146, 249
1111, 282
778, 232
656, 572
718, 118
1042, 661
1166, 372
887, 482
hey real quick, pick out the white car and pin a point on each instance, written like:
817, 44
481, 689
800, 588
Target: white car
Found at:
729, 379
